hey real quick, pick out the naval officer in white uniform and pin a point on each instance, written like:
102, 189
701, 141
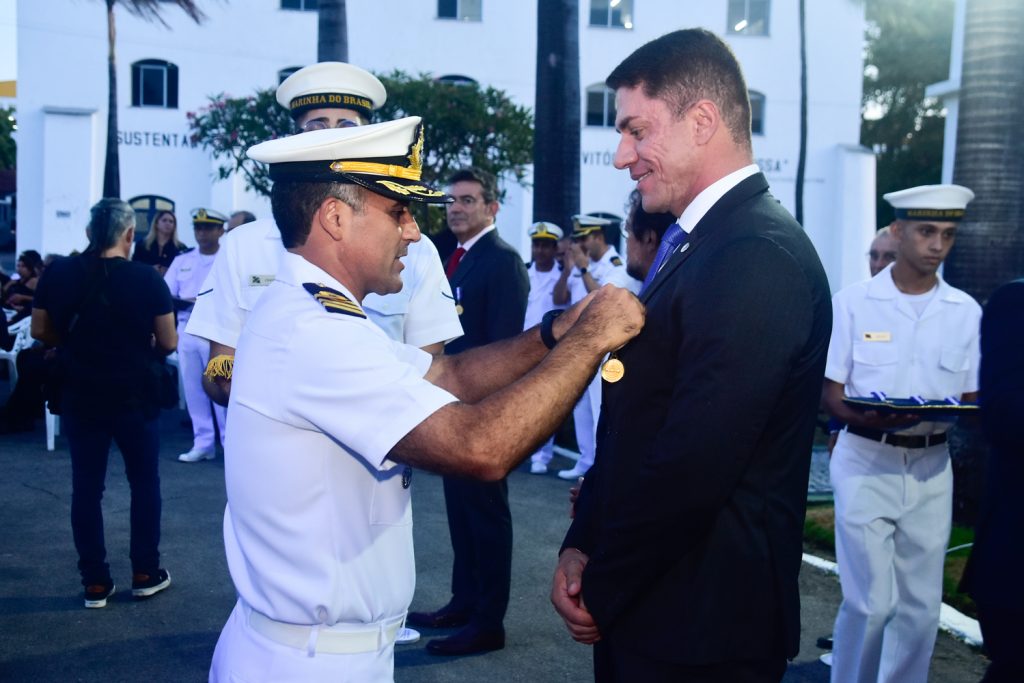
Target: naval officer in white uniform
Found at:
544, 272
184, 279
329, 414
593, 263
905, 332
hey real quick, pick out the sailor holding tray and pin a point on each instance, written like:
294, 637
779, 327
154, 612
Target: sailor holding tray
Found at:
903, 333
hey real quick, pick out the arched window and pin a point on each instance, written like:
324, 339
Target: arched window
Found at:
456, 79
285, 73
146, 206
756, 112
154, 84
600, 106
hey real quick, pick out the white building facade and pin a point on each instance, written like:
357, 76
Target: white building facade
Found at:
165, 73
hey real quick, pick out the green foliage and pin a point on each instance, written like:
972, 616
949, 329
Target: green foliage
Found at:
230, 125
8, 151
465, 125
908, 44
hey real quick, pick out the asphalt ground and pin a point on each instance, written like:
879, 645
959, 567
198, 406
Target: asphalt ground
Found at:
47, 635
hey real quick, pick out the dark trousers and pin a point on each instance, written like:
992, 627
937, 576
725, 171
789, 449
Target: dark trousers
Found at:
25, 403
615, 664
1000, 629
480, 524
89, 439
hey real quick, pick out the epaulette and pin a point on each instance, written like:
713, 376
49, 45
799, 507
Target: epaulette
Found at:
333, 300
616, 261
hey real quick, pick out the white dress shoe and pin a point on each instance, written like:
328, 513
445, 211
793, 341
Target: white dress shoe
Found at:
406, 636
538, 468
574, 473
195, 455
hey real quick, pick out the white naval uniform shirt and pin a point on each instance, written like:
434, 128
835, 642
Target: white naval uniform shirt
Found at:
880, 344
318, 526
542, 294
604, 272
186, 275
422, 313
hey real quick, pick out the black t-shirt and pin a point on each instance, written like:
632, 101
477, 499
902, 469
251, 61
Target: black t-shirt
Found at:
104, 311
155, 256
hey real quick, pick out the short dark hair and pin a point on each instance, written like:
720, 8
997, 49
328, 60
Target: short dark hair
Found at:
247, 216
295, 202
488, 184
32, 260
685, 66
641, 222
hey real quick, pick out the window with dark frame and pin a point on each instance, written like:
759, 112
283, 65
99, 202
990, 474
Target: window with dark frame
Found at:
285, 73
460, 10
756, 112
155, 84
301, 5
600, 106
748, 17
612, 13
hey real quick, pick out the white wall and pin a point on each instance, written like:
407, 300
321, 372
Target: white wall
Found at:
242, 46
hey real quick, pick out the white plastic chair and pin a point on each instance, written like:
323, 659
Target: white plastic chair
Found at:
22, 333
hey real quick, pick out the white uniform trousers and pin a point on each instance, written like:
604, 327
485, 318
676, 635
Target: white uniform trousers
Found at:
544, 453
193, 355
893, 509
585, 416
242, 654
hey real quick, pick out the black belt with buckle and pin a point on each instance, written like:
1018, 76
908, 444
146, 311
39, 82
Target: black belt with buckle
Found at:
899, 440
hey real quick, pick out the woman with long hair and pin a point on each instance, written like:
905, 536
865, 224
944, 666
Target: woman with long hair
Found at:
110, 320
17, 294
161, 244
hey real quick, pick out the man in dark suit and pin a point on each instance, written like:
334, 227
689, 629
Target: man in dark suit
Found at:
490, 285
681, 563
993, 575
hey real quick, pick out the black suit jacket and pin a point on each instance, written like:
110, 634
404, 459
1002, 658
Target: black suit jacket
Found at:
993, 575
693, 513
491, 285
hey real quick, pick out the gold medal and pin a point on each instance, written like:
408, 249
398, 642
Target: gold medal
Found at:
613, 370
458, 309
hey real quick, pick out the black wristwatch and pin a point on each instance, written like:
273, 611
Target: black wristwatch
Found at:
583, 271
546, 323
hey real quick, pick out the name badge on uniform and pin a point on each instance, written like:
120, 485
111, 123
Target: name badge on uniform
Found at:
878, 336
260, 280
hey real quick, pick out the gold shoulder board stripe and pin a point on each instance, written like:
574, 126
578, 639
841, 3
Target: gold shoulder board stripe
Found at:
332, 300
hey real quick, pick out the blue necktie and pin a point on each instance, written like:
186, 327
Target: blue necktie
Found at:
673, 237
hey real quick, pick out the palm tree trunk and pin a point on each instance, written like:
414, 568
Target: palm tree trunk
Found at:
556, 142
111, 169
801, 163
332, 31
989, 248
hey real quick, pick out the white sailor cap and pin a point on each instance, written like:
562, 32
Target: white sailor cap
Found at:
930, 202
584, 224
386, 158
209, 216
545, 231
333, 85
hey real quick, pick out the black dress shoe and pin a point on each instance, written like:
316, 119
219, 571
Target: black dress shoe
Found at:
446, 617
468, 641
